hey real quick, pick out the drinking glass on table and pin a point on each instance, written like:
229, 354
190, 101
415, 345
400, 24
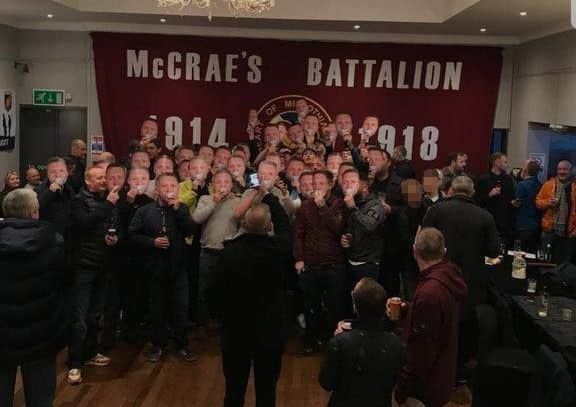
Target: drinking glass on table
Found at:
541, 254
544, 304
502, 249
531, 290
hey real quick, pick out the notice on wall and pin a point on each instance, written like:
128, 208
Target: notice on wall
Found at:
7, 120
97, 144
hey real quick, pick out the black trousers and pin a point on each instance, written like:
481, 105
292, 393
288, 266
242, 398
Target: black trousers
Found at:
237, 363
39, 379
169, 304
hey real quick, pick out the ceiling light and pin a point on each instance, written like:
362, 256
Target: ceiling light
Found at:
483, 30
162, 20
50, 15
356, 27
523, 13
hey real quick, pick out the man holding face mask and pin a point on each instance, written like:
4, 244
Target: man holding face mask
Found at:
216, 213
158, 231
363, 239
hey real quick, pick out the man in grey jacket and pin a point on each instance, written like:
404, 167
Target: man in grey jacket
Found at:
216, 213
364, 232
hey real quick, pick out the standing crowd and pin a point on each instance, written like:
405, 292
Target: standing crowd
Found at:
258, 239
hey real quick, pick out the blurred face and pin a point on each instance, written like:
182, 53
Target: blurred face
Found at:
223, 183
370, 125
184, 154
296, 133
153, 151
253, 116
237, 167
502, 163
184, 170
306, 185
431, 185
295, 168
139, 180
13, 181
341, 171
563, 171
168, 186
321, 184
344, 123
57, 171
221, 158
115, 177
309, 157
376, 160
311, 125
329, 131
413, 195
333, 164
272, 135
267, 174
198, 170
350, 183
33, 176
207, 154
163, 166
140, 160
282, 130
302, 108
96, 180
347, 156
79, 150
276, 160
148, 130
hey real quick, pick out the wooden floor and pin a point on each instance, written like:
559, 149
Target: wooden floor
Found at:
132, 381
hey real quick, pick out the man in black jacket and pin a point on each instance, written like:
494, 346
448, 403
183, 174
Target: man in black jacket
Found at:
55, 196
248, 295
159, 230
470, 234
495, 192
77, 159
364, 230
91, 210
33, 309
363, 361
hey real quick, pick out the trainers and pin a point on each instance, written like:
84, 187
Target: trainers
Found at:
155, 354
187, 356
99, 360
74, 376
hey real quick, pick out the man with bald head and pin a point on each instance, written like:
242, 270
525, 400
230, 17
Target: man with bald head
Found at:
248, 296
78, 160
92, 210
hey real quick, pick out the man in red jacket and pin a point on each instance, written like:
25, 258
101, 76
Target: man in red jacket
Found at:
319, 257
431, 329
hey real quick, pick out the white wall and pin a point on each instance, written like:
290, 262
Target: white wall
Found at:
543, 88
8, 80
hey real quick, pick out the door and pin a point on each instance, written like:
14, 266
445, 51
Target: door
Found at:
48, 131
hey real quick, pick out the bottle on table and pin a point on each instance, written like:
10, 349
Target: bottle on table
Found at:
519, 266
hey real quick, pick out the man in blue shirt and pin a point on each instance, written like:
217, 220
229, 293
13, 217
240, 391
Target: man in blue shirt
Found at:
527, 215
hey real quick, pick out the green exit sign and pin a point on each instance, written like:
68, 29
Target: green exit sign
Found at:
48, 97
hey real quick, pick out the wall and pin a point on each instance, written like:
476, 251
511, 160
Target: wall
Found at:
9, 80
543, 88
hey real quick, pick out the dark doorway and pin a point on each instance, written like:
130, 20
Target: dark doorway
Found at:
48, 131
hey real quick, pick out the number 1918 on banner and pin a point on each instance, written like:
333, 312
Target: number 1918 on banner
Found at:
428, 147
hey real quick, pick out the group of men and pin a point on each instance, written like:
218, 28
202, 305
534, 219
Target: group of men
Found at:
294, 218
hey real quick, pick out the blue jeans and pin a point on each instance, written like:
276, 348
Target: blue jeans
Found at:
90, 295
208, 260
39, 379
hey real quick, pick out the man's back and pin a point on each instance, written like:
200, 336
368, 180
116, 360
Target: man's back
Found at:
362, 366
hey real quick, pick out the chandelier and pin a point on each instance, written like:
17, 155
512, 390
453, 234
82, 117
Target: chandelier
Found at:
236, 7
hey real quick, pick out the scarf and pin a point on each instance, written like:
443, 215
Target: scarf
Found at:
561, 213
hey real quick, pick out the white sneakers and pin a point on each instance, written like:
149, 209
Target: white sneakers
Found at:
75, 375
98, 360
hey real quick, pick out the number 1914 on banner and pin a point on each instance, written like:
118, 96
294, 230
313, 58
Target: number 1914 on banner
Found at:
428, 140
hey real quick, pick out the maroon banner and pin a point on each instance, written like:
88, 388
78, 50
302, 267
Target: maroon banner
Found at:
434, 99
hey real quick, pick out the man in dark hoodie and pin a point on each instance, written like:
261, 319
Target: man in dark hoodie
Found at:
248, 295
33, 311
431, 330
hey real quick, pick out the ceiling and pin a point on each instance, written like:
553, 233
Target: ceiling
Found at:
456, 21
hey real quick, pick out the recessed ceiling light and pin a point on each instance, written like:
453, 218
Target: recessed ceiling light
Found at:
356, 27
483, 30
50, 15
162, 20
523, 13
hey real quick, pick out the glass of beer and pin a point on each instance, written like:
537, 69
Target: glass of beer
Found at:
531, 290
395, 308
544, 305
